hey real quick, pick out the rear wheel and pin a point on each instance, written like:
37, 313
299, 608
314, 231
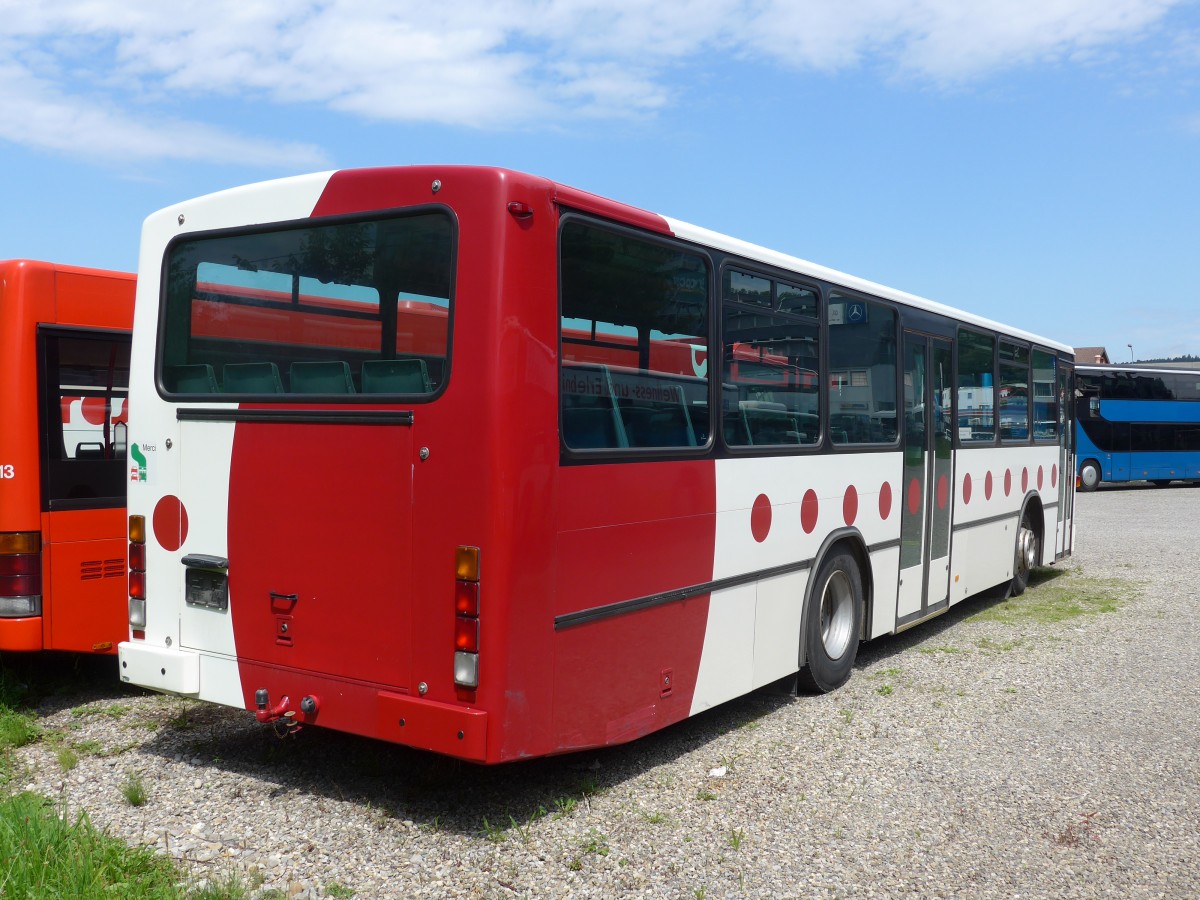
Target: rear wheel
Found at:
1025, 557
832, 624
1089, 475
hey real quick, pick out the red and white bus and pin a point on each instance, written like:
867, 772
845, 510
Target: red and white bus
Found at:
64, 368
441, 455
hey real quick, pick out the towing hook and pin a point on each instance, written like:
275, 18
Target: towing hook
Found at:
267, 713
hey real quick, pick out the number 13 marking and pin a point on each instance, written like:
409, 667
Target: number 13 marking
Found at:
8, 471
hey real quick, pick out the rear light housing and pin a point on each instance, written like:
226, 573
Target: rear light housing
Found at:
137, 575
20, 574
466, 617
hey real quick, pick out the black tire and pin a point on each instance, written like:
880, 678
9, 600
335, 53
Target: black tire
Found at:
832, 624
1089, 476
1025, 556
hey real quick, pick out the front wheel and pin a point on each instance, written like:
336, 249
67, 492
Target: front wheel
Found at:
832, 624
1025, 557
1089, 476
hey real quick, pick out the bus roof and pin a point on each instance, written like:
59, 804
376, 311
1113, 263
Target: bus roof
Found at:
586, 201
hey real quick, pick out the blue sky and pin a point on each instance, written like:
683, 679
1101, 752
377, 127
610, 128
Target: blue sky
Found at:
1035, 161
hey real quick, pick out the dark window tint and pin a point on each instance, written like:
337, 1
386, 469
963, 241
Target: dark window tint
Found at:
349, 308
84, 383
862, 371
976, 400
770, 386
634, 341
1013, 397
1046, 405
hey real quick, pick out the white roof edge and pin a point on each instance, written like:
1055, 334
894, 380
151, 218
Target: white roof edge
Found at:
804, 267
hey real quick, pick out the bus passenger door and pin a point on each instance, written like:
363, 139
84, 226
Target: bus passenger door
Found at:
927, 489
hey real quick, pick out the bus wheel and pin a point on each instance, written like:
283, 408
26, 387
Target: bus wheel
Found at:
1025, 557
1089, 476
833, 623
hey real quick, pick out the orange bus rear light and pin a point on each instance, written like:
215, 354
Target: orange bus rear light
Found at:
466, 563
466, 634
137, 529
14, 542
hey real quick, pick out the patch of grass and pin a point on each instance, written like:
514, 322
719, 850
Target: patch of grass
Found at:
988, 644
16, 729
736, 838
655, 818
112, 711
67, 758
46, 854
134, 790
1059, 598
595, 843
333, 889
885, 689
705, 794
494, 833
847, 715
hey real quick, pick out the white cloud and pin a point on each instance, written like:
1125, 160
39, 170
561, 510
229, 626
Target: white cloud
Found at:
111, 66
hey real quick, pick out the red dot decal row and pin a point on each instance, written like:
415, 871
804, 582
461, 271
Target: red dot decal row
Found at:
761, 512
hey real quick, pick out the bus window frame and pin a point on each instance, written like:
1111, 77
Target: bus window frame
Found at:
49, 397
585, 455
959, 443
793, 279
898, 324
287, 397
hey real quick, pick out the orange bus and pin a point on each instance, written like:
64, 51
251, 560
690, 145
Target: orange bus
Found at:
64, 384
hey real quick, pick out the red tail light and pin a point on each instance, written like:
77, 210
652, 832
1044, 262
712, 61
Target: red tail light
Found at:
20, 574
137, 575
466, 634
466, 619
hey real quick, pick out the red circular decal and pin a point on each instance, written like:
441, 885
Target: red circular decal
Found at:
967, 488
1039, 478
93, 410
914, 496
808, 511
850, 505
170, 523
943, 491
987, 486
760, 518
1024, 479
1007, 482
885, 501
1054, 475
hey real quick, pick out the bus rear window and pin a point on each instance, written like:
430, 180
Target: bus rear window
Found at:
349, 308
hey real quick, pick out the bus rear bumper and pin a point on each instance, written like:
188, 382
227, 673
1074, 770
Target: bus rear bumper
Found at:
21, 635
160, 668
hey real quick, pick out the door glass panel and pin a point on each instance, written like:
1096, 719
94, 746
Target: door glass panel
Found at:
915, 432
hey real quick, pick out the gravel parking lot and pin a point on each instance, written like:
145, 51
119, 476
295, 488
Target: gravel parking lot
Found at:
1042, 747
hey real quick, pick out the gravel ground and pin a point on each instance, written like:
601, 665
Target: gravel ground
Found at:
991, 752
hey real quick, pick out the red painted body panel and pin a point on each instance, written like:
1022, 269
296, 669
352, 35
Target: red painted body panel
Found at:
84, 595
322, 513
655, 534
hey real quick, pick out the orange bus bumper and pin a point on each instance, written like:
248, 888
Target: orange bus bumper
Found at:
21, 634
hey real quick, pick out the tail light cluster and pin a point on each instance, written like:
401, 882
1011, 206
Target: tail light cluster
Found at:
20, 574
137, 575
466, 617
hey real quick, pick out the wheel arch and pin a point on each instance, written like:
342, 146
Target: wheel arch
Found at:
850, 539
1032, 504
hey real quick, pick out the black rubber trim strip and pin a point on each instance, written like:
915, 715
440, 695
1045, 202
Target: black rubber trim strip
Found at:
622, 607
297, 416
